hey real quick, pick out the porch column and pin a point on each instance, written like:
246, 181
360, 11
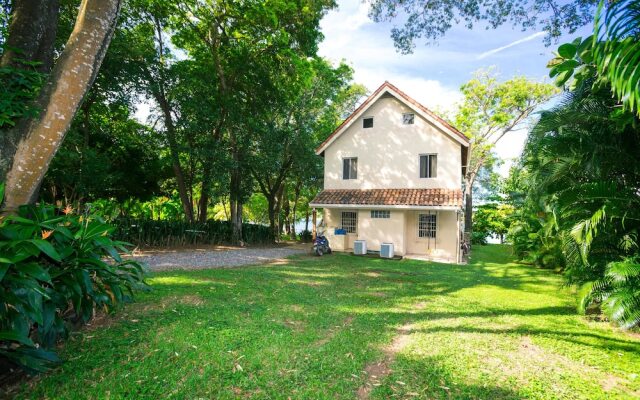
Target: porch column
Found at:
313, 228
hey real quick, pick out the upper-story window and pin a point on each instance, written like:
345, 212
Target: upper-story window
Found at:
408, 118
350, 168
428, 165
367, 122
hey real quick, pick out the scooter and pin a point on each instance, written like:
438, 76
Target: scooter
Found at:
321, 245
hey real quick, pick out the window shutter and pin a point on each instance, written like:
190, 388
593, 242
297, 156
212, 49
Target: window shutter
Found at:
345, 168
354, 168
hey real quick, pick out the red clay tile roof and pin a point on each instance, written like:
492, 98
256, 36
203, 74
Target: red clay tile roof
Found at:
407, 98
390, 197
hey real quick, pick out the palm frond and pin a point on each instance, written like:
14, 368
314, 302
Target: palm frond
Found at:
617, 49
624, 270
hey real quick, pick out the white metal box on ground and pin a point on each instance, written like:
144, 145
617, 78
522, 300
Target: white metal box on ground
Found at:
359, 247
386, 250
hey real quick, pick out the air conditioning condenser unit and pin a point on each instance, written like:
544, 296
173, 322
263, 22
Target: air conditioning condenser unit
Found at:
386, 250
359, 247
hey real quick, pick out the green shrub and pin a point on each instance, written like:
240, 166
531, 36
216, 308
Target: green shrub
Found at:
479, 238
56, 270
306, 236
167, 233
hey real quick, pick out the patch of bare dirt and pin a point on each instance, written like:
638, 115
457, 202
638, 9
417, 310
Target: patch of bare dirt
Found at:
296, 308
377, 371
193, 300
378, 294
334, 331
294, 325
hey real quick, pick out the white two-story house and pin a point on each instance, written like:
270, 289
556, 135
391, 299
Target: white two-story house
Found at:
393, 174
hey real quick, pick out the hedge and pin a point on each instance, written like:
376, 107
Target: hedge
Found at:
162, 233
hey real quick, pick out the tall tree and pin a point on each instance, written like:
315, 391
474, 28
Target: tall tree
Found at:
70, 79
490, 110
288, 132
248, 46
584, 187
431, 19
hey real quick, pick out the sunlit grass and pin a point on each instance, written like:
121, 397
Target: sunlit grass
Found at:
309, 328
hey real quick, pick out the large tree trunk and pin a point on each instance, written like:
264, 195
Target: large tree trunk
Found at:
296, 198
187, 206
60, 99
235, 193
31, 37
278, 209
203, 203
32, 34
272, 205
286, 207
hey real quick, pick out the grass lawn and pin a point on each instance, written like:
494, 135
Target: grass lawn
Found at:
343, 327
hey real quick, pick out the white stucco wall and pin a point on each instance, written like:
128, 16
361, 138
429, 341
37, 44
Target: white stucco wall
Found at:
445, 244
388, 154
401, 229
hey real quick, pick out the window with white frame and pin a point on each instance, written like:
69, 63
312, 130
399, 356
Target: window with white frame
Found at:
380, 214
428, 165
350, 221
408, 118
350, 168
427, 225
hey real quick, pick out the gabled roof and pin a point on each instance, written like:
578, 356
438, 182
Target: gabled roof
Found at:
387, 87
389, 197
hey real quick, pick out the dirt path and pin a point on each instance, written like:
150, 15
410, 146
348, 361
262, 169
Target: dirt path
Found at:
378, 370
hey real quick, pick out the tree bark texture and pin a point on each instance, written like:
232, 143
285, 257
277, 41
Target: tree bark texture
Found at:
235, 196
203, 203
31, 37
70, 79
32, 34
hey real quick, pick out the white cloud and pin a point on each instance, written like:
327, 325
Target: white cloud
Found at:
514, 43
429, 92
351, 36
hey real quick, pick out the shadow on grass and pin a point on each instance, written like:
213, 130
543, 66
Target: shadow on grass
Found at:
283, 310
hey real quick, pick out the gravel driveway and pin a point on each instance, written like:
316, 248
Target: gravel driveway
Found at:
214, 257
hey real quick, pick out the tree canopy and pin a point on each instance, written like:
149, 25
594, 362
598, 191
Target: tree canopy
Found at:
430, 20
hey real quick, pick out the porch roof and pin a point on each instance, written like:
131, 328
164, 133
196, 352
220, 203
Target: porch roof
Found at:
392, 198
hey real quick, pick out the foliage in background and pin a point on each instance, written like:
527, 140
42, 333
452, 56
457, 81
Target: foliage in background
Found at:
580, 210
179, 233
492, 219
106, 154
56, 270
582, 196
490, 110
19, 87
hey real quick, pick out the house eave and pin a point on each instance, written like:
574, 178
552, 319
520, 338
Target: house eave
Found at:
385, 207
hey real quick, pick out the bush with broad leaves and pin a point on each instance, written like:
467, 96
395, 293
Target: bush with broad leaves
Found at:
57, 268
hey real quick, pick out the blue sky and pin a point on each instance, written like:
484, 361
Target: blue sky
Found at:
433, 74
